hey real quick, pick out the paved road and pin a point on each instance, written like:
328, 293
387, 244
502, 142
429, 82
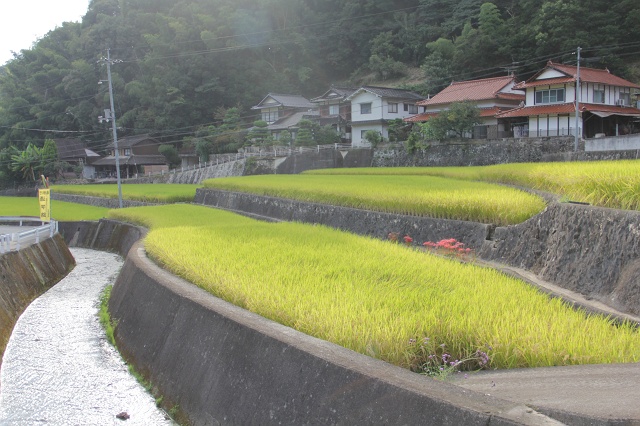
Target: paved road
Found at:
58, 367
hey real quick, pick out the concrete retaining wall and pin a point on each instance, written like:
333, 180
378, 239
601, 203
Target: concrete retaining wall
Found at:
363, 222
225, 365
590, 250
25, 275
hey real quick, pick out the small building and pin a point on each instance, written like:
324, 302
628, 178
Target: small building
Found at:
373, 107
491, 95
606, 103
139, 155
335, 110
75, 152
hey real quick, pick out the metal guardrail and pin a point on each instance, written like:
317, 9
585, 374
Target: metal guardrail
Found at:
15, 240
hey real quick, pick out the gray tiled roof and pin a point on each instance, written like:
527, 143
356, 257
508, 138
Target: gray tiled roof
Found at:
335, 93
129, 141
70, 149
140, 160
287, 101
291, 120
388, 92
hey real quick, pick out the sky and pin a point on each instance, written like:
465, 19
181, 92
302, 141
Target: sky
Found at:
25, 21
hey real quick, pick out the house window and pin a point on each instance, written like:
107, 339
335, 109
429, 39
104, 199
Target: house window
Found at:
393, 107
270, 115
127, 151
549, 96
625, 99
598, 96
411, 108
334, 109
365, 108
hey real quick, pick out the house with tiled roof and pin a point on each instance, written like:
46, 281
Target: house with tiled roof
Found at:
335, 111
373, 107
491, 95
605, 101
75, 152
138, 155
284, 112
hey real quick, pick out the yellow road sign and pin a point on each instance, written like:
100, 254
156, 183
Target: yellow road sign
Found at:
44, 198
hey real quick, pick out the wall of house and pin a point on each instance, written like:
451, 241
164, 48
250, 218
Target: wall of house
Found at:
357, 131
618, 143
552, 125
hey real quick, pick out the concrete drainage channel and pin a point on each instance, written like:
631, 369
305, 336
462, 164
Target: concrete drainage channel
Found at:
223, 365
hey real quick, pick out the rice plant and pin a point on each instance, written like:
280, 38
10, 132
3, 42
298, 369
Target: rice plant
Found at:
60, 210
373, 296
613, 184
152, 193
403, 194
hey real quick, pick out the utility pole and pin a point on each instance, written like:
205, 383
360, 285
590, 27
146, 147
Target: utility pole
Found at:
575, 144
112, 117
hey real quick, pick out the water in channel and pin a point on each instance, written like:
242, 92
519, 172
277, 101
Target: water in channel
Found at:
58, 367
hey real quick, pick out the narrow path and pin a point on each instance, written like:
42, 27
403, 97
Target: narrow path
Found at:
58, 367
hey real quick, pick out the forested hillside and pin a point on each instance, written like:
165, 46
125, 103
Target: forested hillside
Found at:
185, 61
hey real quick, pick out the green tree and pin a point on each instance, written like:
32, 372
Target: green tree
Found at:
374, 138
459, 119
259, 132
382, 60
304, 137
171, 154
286, 138
27, 162
398, 130
50, 165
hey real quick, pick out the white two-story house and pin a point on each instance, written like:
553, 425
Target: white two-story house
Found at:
605, 102
373, 107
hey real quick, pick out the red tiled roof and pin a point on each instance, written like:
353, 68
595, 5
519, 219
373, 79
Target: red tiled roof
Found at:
613, 109
567, 108
472, 90
420, 118
425, 116
538, 110
589, 75
545, 82
511, 96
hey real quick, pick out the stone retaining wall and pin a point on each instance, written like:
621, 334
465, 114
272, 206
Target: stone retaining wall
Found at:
472, 152
25, 275
111, 203
364, 222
